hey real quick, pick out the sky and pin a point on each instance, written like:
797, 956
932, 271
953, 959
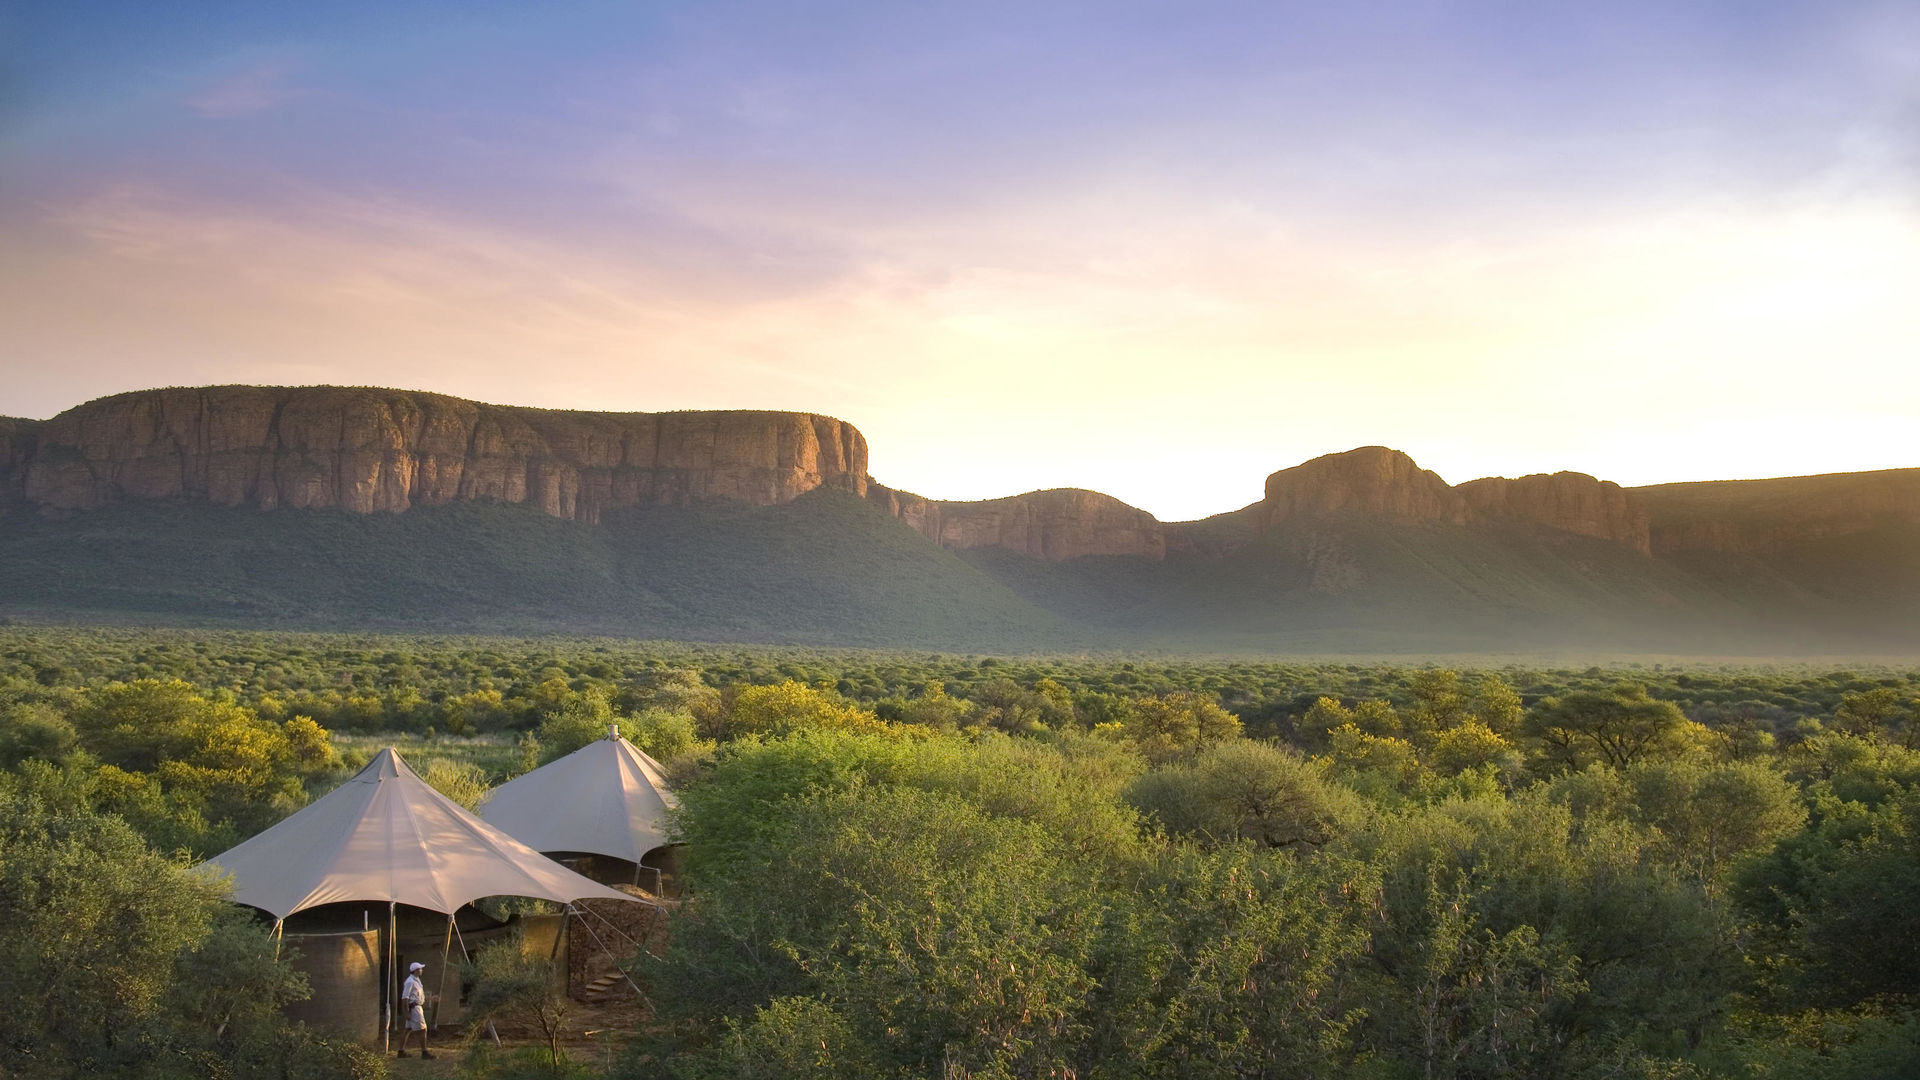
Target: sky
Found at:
1158, 250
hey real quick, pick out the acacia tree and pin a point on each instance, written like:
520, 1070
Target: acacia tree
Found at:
1871, 713
1617, 727
1242, 790
794, 706
1166, 726
516, 985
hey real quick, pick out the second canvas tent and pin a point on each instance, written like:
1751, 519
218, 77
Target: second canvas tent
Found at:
607, 799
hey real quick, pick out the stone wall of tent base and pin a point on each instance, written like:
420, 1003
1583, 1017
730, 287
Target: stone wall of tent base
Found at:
342, 949
604, 934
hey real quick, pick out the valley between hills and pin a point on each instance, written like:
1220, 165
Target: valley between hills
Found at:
361, 508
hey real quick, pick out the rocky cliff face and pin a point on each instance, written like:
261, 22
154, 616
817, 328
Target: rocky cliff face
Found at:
1370, 480
372, 450
1570, 501
1065, 523
17, 439
1757, 517
1374, 480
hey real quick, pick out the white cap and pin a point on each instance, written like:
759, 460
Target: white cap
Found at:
416, 966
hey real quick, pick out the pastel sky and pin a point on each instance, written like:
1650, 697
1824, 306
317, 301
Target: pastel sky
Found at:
1155, 249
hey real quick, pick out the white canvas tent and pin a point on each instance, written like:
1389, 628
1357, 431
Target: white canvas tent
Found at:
385, 835
606, 798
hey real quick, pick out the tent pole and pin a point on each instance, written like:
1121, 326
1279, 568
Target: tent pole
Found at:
388, 991
468, 957
279, 927
445, 949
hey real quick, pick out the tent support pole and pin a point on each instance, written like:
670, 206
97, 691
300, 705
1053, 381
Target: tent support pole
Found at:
388, 992
588, 927
445, 949
468, 958
279, 931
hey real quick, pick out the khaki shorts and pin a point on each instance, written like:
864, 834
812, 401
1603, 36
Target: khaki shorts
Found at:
416, 1018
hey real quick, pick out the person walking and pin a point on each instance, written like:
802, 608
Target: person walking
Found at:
413, 1000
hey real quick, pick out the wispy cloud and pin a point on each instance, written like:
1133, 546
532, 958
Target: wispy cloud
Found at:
1087, 332
258, 88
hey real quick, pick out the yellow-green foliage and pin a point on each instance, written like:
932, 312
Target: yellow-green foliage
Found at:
193, 771
462, 781
1469, 746
1382, 759
794, 706
1165, 726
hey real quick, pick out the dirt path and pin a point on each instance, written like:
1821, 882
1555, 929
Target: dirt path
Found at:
593, 1034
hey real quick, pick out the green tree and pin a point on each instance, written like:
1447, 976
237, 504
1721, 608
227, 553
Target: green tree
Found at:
951, 938
578, 720
515, 984
801, 1038
1439, 703
192, 771
1474, 1002
35, 731
1871, 713
1497, 706
794, 706
1230, 963
115, 961
462, 781
1648, 950
1838, 905
1240, 790
1324, 715
1165, 726
1470, 745
1617, 727
1375, 764
1708, 816
934, 708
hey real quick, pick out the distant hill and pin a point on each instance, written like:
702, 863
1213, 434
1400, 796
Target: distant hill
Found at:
826, 568
357, 507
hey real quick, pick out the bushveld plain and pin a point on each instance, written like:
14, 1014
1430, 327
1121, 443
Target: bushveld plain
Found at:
910, 863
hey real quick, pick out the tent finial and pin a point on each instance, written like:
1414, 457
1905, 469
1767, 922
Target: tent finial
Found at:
613, 731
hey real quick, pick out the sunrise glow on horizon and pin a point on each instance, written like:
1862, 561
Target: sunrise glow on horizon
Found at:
1155, 250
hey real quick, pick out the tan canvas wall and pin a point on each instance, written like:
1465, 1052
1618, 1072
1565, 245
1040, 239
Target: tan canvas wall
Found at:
344, 973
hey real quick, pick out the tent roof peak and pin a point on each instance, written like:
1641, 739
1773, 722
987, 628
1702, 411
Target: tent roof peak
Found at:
386, 835
605, 798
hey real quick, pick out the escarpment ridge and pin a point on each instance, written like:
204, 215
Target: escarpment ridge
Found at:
1062, 523
371, 450
333, 507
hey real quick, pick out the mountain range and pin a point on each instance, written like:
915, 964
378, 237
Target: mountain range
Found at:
331, 507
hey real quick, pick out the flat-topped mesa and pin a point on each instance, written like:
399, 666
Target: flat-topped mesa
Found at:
1369, 480
368, 450
1063, 523
1570, 501
1754, 517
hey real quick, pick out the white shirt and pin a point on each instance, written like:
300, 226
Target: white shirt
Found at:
411, 992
